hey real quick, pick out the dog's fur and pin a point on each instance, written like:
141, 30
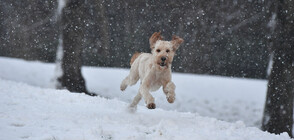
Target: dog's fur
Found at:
154, 70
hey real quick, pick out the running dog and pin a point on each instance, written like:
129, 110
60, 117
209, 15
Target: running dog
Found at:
154, 70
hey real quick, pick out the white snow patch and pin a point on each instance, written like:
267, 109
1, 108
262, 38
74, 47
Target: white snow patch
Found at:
270, 64
35, 113
61, 5
58, 68
227, 99
273, 22
29, 110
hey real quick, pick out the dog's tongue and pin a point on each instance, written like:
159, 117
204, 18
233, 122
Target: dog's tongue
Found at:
162, 64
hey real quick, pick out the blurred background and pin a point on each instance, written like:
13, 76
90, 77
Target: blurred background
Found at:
228, 38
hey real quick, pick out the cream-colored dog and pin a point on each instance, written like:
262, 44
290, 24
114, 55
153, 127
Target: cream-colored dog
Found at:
154, 70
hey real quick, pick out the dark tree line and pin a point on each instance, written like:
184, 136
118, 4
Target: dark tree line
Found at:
221, 37
28, 29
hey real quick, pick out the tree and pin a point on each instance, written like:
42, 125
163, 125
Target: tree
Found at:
278, 111
73, 23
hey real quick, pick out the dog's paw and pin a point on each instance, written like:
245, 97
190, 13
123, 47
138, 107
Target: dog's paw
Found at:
151, 106
132, 109
123, 87
170, 99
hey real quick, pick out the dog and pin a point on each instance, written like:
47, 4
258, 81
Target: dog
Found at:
154, 70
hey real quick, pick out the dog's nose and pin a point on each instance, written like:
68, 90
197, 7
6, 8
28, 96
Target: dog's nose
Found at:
163, 58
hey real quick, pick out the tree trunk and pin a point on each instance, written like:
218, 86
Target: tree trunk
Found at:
278, 111
73, 40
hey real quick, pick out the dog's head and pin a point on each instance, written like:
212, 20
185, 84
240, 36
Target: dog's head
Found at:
164, 51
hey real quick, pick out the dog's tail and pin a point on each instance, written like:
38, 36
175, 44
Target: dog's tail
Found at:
134, 57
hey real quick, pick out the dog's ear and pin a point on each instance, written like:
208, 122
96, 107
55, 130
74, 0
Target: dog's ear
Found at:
152, 40
176, 41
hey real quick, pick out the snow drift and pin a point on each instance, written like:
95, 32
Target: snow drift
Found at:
30, 109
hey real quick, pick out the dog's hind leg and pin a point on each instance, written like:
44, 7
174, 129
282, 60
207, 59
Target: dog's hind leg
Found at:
132, 78
133, 106
136, 100
124, 83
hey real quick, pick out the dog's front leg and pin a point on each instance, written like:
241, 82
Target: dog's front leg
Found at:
169, 90
144, 90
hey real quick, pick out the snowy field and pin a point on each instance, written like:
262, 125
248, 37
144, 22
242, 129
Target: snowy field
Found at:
206, 107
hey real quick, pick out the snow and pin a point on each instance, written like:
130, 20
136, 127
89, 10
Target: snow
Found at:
270, 64
58, 68
228, 99
206, 107
273, 22
61, 5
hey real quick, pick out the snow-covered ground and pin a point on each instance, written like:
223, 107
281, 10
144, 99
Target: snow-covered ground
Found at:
206, 107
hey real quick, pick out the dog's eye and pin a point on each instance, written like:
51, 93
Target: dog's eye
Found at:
167, 51
158, 50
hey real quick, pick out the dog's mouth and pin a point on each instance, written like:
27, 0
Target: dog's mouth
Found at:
162, 64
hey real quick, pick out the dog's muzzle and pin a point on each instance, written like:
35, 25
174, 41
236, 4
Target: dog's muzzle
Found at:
163, 63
